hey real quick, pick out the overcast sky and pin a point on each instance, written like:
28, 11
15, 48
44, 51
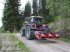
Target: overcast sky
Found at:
23, 2
1, 11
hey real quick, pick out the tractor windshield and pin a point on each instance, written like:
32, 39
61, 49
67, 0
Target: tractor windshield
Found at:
37, 20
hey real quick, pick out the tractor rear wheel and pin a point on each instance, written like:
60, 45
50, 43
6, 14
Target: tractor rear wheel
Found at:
29, 33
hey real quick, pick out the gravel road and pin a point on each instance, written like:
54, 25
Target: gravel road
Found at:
49, 45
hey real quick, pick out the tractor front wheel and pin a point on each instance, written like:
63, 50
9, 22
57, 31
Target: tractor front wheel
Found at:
29, 33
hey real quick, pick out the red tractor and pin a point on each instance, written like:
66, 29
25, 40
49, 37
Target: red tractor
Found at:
35, 28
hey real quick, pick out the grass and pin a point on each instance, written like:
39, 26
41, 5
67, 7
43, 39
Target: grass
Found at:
65, 39
1, 29
21, 44
18, 44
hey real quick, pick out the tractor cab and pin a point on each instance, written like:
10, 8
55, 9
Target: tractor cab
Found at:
37, 20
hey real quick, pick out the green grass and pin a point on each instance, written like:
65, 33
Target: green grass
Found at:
65, 39
21, 44
1, 29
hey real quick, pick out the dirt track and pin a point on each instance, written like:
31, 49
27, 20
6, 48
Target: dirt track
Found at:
45, 45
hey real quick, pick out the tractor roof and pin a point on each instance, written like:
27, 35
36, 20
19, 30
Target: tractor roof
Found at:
33, 17
36, 17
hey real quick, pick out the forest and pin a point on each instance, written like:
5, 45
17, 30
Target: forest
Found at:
56, 14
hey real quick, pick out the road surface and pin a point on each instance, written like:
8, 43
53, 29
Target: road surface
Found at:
49, 45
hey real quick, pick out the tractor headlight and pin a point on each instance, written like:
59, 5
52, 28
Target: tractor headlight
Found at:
33, 26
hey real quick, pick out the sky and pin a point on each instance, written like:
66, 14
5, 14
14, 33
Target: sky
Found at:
1, 11
23, 3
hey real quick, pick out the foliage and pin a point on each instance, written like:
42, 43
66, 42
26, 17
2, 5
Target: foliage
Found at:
45, 10
51, 10
27, 11
35, 8
60, 8
49, 19
1, 29
11, 15
21, 44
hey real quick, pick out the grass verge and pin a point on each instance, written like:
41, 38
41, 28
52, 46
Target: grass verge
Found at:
21, 44
65, 39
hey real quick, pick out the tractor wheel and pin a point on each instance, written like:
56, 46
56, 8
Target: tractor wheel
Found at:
29, 33
23, 33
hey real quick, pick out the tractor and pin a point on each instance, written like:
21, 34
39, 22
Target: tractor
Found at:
34, 27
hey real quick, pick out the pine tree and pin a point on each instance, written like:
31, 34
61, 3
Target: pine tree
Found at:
4, 19
45, 10
11, 15
35, 8
27, 11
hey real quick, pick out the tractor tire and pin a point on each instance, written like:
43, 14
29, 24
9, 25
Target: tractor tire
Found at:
29, 33
22, 33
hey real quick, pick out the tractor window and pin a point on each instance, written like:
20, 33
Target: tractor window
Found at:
32, 20
38, 20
